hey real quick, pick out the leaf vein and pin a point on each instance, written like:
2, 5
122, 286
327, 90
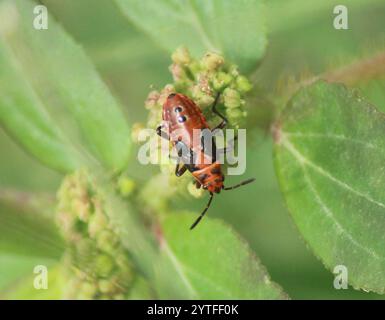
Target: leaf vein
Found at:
179, 269
329, 213
331, 136
208, 281
303, 160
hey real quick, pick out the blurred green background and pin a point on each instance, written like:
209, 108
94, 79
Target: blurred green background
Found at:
301, 40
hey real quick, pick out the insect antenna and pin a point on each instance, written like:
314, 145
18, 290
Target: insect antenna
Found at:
240, 184
203, 212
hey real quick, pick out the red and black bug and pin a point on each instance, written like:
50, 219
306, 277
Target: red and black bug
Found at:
181, 116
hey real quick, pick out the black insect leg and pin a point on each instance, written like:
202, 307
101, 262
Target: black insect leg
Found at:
203, 212
239, 184
161, 133
231, 147
197, 184
179, 171
214, 110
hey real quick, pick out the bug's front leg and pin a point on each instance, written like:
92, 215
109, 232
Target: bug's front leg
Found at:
161, 133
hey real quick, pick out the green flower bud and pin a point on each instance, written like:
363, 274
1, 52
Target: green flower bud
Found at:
243, 84
201, 98
106, 241
84, 250
221, 81
195, 67
126, 186
103, 265
87, 291
106, 286
92, 242
136, 128
181, 56
233, 70
177, 71
212, 61
232, 98
182, 85
204, 101
152, 100
97, 223
235, 113
82, 207
236, 116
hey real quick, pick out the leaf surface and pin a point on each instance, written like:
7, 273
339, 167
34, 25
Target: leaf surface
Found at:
210, 262
235, 28
330, 161
53, 100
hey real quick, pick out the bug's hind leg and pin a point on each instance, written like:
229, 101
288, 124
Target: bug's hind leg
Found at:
203, 212
230, 147
179, 171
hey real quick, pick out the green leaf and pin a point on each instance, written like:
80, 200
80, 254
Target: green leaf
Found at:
26, 232
23, 116
329, 157
292, 29
235, 28
283, 19
28, 236
210, 262
375, 92
54, 92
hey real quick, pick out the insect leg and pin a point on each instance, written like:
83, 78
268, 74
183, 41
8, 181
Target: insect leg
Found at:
179, 171
203, 212
161, 133
239, 184
214, 110
230, 147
